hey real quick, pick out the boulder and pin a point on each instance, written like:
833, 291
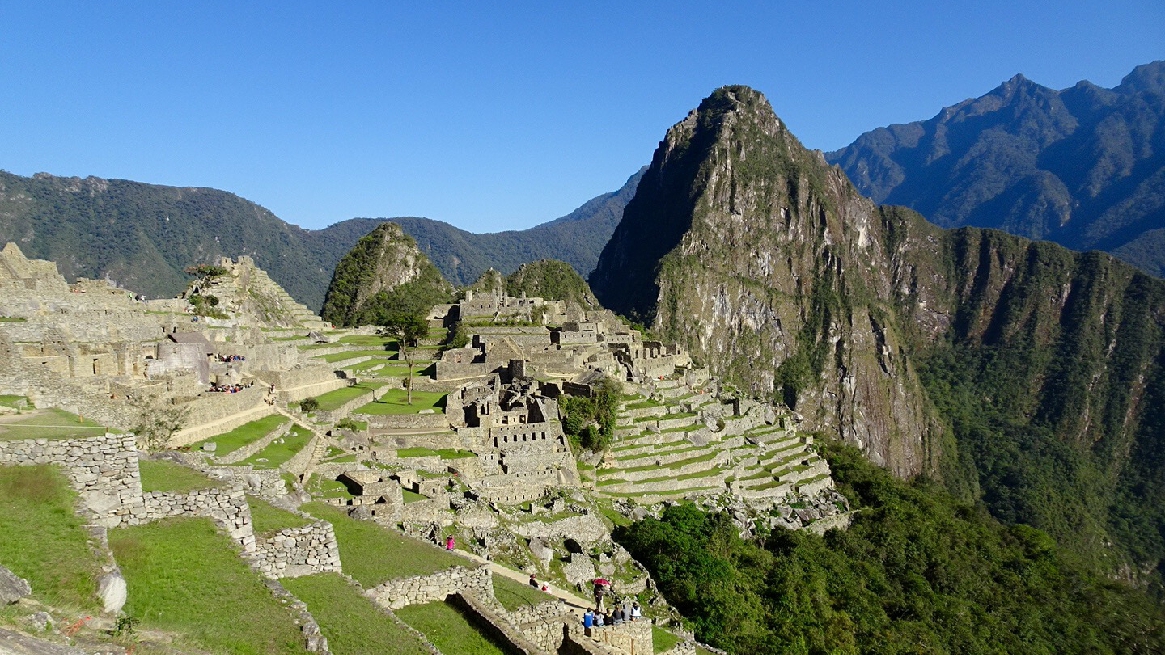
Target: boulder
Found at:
12, 587
111, 589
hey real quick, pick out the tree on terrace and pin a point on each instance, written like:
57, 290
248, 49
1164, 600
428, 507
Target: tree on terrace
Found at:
407, 327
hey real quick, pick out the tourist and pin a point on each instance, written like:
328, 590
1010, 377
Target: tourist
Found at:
617, 616
636, 612
588, 618
546, 587
449, 543
533, 581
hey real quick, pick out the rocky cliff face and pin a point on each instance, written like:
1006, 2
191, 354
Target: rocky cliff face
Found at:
772, 270
383, 266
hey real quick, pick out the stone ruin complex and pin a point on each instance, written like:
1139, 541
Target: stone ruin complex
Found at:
495, 466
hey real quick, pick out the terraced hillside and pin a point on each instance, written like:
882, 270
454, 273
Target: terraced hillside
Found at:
677, 440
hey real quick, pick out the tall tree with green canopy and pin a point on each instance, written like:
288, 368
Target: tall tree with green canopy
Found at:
407, 327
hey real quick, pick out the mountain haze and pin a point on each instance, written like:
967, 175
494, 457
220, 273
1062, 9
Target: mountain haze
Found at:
1084, 166
1021, 374
144, 235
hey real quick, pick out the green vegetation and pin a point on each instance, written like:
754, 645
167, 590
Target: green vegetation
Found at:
372, 554
662, 640
352, 624
917, 571
337, 398
246, 433
552, 280
15, 402
280, 450
449, 629
515, 595
43, 540
395, 401
184, 576
411, 496
50, 423
591, 421
164, 475
266, 519
443, 453
355, 296
366, 340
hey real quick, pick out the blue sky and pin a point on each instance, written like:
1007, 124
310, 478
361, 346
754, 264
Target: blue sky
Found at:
489, 115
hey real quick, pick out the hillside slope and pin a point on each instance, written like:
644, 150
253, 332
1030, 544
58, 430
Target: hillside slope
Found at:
144, 235
1084, 167
1020, 373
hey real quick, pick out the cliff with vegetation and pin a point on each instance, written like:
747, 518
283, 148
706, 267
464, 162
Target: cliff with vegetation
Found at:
1020, 374
383, 272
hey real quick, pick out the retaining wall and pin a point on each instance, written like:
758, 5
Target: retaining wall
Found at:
420, 589
293, 552
103, 470
227, 507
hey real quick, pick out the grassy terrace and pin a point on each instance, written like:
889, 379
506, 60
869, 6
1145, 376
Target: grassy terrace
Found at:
48, 423
449, 629
276, 454
644, 404
13, 401
350, 621
229, 442
668, 494
516, 595
662, 640
185, 576
372, 340
650, 467
43, 541
332, 358
266, 519
394, 401
337, 398
161, 475
373, 554
443, 453
664, 452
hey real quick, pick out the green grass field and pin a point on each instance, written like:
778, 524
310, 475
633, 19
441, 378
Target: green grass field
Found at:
51, 423
246, 433
266, 519
274, 455
394, 401
160, 475
514, 595
185, 576
42, 540
449, 629
662, 640
443, 453
373, 554
369, 340
335, 399
332, 358
350, 621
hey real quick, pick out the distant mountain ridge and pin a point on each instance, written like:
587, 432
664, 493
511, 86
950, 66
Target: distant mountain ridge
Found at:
1083, 167
144, 235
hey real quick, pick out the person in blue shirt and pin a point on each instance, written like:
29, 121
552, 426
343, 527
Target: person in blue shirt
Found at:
588, 619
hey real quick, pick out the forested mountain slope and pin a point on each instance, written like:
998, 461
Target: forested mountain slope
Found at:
1020, 373
1084, 167
144, 235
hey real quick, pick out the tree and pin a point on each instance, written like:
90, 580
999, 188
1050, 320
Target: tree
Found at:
158, 421
407, 328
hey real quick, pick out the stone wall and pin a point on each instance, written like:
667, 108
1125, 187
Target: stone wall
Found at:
293, 552
629, 636
420, 589
227, 507
493, 624
103, 470
268, 483
434, 421
542, 623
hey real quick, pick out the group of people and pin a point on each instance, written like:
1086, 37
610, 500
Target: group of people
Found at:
229, 388
543, 586
619, 616
226, 359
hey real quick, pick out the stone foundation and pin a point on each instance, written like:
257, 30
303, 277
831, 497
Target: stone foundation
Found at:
293, 552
